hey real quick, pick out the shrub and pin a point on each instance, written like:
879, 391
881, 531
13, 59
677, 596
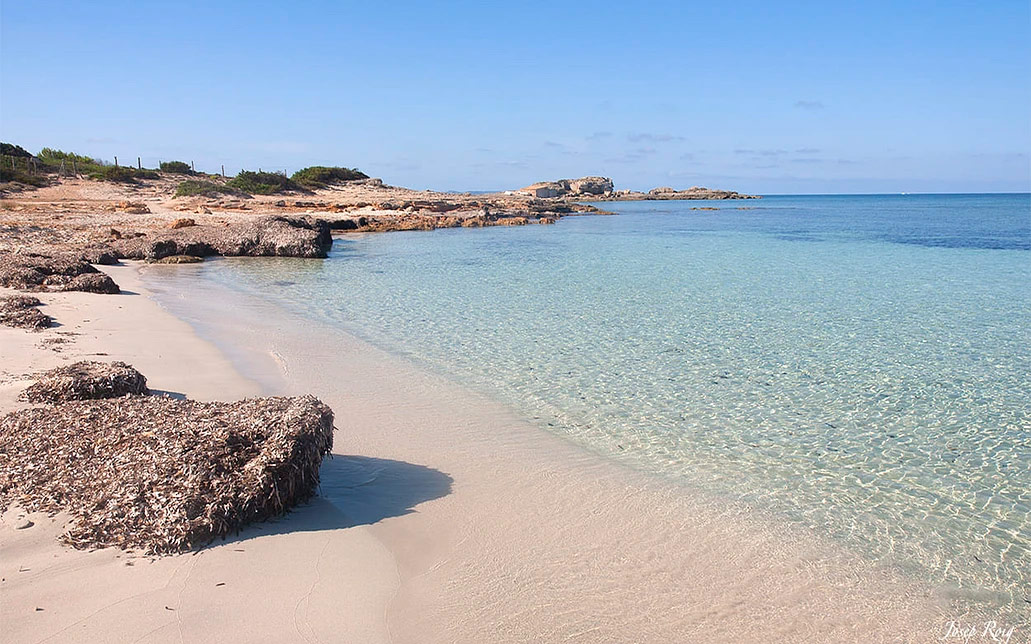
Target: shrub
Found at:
319, 176
53, 159
12, 150
262, 183
50, 155
7, 174
177, 167
122, 174
204, 188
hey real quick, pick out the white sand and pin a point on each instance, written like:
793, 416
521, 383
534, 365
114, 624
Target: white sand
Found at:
288, 581
448, 520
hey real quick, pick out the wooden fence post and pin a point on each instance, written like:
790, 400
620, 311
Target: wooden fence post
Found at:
116, 162
193, 168
139, 164
223, 171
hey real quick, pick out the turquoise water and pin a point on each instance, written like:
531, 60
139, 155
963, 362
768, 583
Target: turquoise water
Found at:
859, 364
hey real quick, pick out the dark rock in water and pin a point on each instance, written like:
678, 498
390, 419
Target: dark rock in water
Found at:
162, 474
266, 237
20, 311
86, 380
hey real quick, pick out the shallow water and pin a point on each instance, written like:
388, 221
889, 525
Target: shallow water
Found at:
859, 365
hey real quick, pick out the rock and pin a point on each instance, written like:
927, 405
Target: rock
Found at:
265, 237
32, 319
179, 259
161, 474
23, 524
89, 282
546, 220
132, 207
664, 190
590, 186
20, 311
183, 222
86, 380
115, 234
60, 271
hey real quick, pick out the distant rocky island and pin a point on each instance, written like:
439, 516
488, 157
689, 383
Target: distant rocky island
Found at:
602, 189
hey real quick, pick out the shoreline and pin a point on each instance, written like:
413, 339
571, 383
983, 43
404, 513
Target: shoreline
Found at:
441, 516
390, 408
256, 586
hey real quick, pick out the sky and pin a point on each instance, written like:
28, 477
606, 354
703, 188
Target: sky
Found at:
759, 97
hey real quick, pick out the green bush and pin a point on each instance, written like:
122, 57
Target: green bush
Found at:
7, 174
262, 183
178, 167
192, 188
53, 159
122, 174
12, 150
318, 176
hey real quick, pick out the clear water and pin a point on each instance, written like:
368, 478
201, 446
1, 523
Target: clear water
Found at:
859, 364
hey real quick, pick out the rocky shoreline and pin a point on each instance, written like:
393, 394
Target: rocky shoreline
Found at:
51, 236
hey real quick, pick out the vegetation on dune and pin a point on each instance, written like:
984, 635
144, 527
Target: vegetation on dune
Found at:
18, 164
12, 150
122, 174
318, 176
176, 167
193, 187
262, 183
20, 176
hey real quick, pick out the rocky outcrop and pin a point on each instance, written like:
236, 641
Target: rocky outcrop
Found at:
59, 272
161, 474
275, 236
668, 193
590, 186
22, 311
183, 222
86, 380
131, 207
572, 188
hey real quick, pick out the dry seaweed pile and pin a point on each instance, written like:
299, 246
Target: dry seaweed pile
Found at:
60, 272
21, 311
266, 237
161, 474
86, 380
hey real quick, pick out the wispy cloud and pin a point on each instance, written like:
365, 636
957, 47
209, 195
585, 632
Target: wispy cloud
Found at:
809, 105
648, 137
760, 153
632, 156
597, 136
807, 151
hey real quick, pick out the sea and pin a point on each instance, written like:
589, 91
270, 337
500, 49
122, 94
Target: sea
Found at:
856, 364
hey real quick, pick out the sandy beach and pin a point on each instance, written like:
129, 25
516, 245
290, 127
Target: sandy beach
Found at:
442, 517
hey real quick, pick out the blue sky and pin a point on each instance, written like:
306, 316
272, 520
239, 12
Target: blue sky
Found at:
753, 96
